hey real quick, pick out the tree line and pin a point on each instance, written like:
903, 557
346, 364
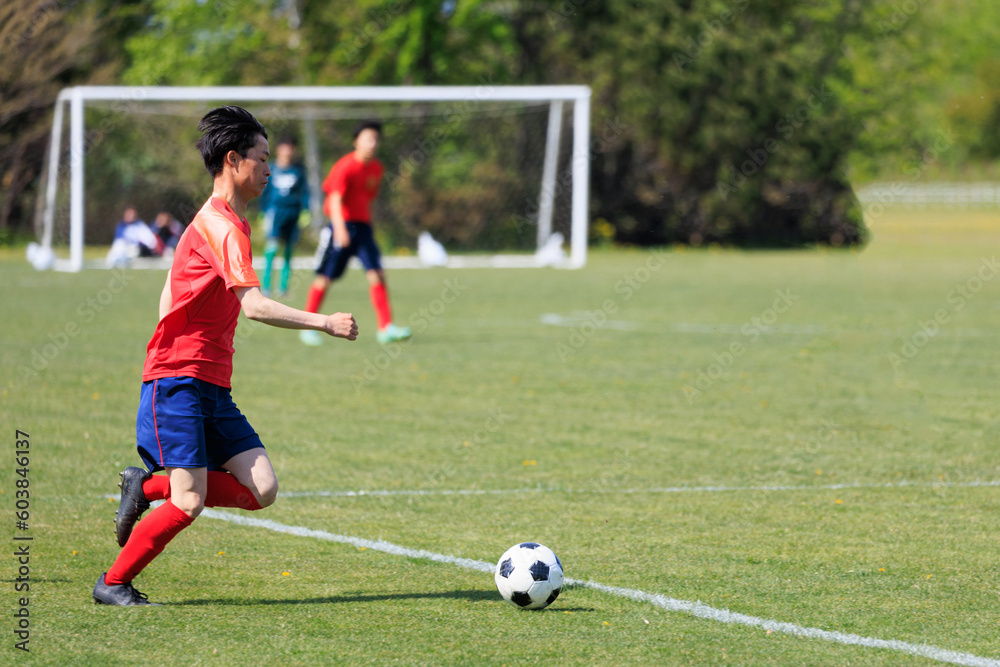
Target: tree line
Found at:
728, 121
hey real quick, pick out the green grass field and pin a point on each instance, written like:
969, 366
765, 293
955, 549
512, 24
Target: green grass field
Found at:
698, 444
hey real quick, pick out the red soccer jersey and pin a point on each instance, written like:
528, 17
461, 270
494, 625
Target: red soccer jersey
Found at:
195, 339
357, 183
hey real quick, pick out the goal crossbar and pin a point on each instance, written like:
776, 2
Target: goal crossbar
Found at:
77, 97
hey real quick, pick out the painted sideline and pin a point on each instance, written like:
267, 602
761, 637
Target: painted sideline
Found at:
671, 604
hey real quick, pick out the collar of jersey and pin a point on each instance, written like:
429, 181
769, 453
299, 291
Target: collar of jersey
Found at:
222, 206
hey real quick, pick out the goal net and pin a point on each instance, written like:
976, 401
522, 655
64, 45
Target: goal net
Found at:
495, 173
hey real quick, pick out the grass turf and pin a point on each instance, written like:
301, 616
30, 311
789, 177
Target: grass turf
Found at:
816, 473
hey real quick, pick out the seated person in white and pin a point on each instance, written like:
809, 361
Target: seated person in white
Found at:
133, 238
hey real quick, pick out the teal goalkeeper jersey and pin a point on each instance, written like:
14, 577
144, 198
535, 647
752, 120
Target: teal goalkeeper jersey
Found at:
286, 189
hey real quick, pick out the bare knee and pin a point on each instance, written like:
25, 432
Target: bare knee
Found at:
267, 493
189, 502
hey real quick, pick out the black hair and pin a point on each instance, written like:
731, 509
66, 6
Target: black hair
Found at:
225, 129
289, 140
370, 124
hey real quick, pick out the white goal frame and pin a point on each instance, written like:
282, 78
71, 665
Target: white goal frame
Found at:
579, 96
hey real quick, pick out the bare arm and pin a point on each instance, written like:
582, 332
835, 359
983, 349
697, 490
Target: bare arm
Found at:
166, 298
261, 309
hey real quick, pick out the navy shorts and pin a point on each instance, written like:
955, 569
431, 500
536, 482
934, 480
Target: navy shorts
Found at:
189, 423
283, 224
333, 259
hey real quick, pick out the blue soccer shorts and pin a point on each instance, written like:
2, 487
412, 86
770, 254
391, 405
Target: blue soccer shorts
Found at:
333, 259
185, 422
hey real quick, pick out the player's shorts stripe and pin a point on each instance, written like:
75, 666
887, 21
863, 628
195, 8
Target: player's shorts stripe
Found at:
156, 428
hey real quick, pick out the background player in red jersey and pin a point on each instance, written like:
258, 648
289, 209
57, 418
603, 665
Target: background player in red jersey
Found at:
351, 187
187, 423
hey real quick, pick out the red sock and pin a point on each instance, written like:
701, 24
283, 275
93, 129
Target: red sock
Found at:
156, 487
380, 299
315, 299
148, 539
224, 490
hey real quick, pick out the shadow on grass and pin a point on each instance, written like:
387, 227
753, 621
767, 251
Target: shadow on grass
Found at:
474, 596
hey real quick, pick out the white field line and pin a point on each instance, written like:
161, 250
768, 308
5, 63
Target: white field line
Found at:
577, 319
698, 609
668, 489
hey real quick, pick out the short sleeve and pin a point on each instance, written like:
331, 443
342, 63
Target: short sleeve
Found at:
227, 250
238, 262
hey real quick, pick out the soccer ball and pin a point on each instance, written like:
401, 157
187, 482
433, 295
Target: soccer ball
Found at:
529, 576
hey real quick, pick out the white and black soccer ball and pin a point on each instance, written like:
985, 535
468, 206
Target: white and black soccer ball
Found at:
529, 575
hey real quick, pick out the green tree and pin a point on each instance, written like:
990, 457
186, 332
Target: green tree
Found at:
712, 119
716, 120
44, 46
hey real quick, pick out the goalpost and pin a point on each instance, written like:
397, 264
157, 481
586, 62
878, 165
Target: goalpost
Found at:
306, 101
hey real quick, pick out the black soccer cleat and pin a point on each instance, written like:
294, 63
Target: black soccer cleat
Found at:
120, 595
133, 502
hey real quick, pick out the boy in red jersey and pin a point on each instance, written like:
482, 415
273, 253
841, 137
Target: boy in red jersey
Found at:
351, 186
187, 422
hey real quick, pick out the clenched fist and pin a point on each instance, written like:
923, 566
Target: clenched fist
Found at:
342, 325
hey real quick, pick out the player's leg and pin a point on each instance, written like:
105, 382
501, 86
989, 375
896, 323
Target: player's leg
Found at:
286, 268
270, 250
151, 536
289, 236
188, 488
332, 265
314, 299
170, 435
179, 415
379, 295
240, 473
327, 254
230, 444
139, 487
252, 469
224, 490
371, 259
